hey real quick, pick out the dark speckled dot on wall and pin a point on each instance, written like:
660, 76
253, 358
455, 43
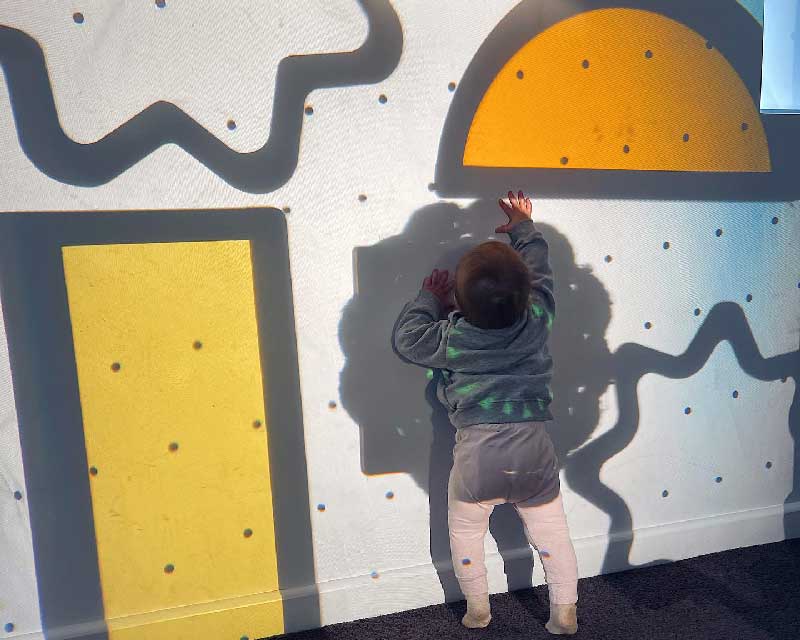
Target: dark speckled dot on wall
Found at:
466, 562
688, 411
664, 493
78, 18
375, 575
321, 507
18, 495
749, 297
585, 64
390, 495
170, 568
231, 125
648, 54
666, 245
719, 233
718, 479
648, 325
520, 74
9, 627
735, 394
451, 86
697, 312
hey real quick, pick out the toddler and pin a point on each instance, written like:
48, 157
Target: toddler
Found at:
490, 352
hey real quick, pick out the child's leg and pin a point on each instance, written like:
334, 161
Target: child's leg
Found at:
468, 523
547, 530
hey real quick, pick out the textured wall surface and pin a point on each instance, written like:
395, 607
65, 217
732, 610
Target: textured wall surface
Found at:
323, 143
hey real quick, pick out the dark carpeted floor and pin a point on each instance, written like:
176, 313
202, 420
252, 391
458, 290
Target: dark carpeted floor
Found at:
746, 594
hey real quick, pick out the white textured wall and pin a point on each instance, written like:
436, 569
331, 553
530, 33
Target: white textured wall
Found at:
219, 63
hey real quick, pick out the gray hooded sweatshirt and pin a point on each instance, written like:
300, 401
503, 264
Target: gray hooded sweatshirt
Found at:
488, 376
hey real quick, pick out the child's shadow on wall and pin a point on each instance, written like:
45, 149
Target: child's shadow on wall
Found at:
403, 427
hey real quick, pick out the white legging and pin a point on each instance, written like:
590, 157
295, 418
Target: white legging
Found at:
546, 529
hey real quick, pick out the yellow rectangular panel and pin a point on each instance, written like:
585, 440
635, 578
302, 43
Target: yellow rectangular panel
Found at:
170, 379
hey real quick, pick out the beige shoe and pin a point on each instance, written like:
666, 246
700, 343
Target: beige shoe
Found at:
563, 619
478, 613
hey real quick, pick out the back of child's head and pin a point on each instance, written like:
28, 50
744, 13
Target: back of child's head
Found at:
492, 286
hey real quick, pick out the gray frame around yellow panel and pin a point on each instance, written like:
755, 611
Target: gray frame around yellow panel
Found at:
725, 24
49, 411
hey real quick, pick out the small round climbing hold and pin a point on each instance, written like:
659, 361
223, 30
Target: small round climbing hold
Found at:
544, 554
718, 479
709, 45
775, 220
161, 3
626, 149
9, 627
687, 410
648, 54
697, 312
231, 125
735, 394
18, 495
466, 562
585, 64
648, 325
686, 137
664, 493
169, 568
197, 345
769, 465
749, 297
564, 160
93, 471
321, 507
248, 533
332, 404
309, 110
287, 209
745, 126
375, 575
173, 446
451, 86
390, 495
362, 197
608, 258
383, 99
719, 233
520, 74
257, 424
116, 366
666, 245
78, 17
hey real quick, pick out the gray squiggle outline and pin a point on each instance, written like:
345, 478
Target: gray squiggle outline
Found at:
88, 165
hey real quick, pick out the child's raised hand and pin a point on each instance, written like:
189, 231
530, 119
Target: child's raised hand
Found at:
518, 208
440, 285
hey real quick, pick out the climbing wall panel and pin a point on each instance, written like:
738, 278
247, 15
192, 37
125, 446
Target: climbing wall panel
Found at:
170, 381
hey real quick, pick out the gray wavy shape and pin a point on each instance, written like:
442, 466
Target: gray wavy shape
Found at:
58, 156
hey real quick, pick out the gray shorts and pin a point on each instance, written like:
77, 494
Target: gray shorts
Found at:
496, 463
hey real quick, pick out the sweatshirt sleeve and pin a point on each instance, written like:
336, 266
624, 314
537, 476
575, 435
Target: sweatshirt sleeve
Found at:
420, 336
532, 247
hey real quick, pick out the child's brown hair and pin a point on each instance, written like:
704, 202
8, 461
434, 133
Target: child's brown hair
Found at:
492, 286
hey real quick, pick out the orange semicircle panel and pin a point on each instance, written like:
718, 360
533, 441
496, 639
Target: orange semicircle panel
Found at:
618, 89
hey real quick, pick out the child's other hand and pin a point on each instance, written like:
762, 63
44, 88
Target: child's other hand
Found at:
517, 209
440, 285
